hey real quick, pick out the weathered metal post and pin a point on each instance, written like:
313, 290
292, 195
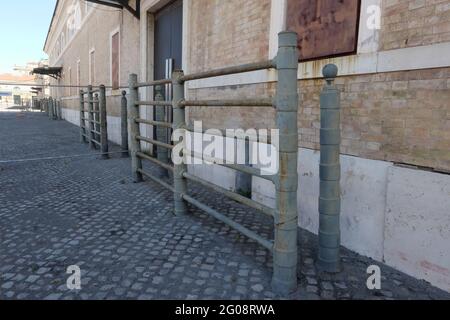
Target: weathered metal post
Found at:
286, 218
83, 131
55, 109
124, 125
179, 123
133, 114
244, 180
330, 174
58, 110
91, 133
50, 108
96, 116
103, 123
161, 133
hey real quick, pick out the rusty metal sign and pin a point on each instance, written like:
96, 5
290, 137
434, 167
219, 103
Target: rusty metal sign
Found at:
326, 28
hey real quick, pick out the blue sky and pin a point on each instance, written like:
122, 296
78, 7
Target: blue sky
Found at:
23, 29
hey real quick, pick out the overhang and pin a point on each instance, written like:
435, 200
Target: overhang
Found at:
54, 72
121, 4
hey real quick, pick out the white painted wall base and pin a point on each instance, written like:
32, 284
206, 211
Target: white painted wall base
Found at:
114, 124
394, 215
417, 233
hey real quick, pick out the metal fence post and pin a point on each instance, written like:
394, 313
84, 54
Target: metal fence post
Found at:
124, 125
50, 108
55, 109
244, 180
179, 123
133, 114
82, 121
59, 110
285, 258
103, 123
330, 174
162, 154
91, 133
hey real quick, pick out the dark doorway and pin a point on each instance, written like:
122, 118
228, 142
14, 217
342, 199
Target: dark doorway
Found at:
168, 40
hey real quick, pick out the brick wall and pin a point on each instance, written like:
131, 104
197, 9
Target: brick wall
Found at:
95, 34
400, 116
409, 23
228, 32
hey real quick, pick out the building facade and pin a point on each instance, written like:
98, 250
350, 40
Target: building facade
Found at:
394, 75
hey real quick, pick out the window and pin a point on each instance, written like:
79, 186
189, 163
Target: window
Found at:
63, 42
115, 60
326, 28
88, 7
69, 91
92, 67
78, 74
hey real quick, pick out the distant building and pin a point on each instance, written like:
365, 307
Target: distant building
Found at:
15, 89
22, 86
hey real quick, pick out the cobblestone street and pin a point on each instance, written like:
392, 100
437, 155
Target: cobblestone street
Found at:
87, 212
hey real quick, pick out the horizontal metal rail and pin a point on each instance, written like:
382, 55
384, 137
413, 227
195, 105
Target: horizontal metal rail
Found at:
96, 132
96, 142
242, 168
91, 121
232, 195
154, 123
226, 134
157, 180
153, 103
155, 142
229, 103
236, 226
230, 70
155, 161
153, 83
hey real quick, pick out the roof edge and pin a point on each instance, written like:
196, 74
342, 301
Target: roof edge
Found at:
51, 24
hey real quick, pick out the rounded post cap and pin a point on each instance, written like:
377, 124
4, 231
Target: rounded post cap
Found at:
330, 71
124, 93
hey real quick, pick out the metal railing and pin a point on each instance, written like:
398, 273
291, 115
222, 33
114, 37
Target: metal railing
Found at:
93, 120
51, 107
284, 245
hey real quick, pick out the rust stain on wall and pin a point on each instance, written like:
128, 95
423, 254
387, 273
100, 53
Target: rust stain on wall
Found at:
326, 28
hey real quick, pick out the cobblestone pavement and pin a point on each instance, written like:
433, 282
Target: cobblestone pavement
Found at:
87, 212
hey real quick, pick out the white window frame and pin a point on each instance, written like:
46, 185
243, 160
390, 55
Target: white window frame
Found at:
70, 81
88, 7
79, 73
112, 33
91, 81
